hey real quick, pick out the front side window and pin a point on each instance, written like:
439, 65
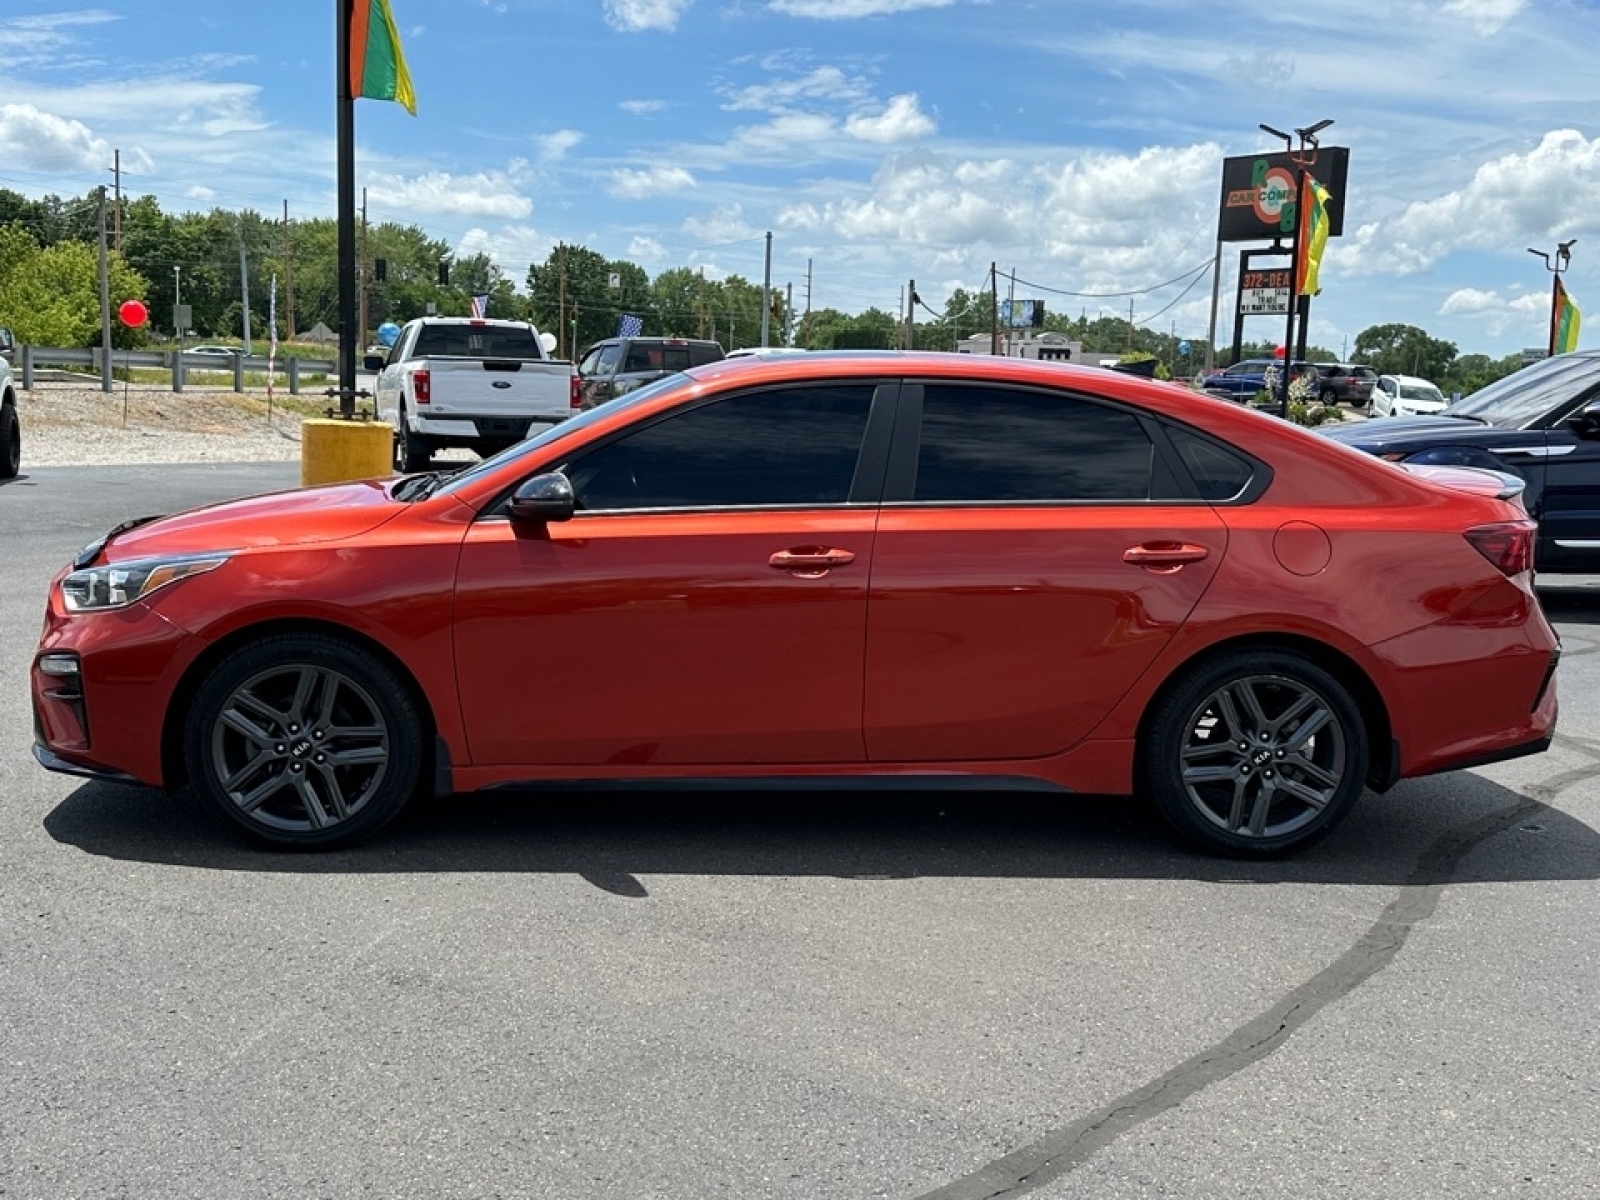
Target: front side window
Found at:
993, 444
780, 446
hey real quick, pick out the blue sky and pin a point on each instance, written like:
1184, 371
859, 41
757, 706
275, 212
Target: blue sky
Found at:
1078, 145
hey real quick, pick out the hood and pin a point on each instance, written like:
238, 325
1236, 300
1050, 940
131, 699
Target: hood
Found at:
298, 518
1386, 428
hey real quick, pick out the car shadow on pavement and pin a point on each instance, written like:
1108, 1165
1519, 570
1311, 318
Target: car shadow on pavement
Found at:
1453, 828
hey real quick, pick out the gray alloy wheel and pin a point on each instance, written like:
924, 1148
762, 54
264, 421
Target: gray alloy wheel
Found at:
1258, 755
303, 740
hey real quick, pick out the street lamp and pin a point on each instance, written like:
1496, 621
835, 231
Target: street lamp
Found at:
1300, 159
1562, 261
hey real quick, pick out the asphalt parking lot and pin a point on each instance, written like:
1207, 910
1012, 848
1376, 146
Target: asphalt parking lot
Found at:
781, 995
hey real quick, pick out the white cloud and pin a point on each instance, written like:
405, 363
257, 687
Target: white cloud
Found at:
485, 194
722, 225
1549, 192
780, 96
1498, 315
201, 193
635, 16
636, 185
902, 121
42, 40
1485, 16
642, 108
556, 146
849, 10
513, 248
41, 141
646, 249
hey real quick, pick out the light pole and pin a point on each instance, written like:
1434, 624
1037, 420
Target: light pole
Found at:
1563, 260
1302, 158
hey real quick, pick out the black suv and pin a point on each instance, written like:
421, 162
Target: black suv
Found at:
1345, 383
618, 365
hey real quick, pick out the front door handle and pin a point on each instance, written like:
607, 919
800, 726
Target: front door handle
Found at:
1164, 556
811, 562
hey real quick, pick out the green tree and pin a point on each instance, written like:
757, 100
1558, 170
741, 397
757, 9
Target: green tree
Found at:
1404, 350
52, 297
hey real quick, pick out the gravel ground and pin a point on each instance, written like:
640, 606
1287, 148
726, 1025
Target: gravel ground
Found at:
66, 424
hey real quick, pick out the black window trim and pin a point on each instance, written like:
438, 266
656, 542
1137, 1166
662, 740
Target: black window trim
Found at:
865, 491
1167, 467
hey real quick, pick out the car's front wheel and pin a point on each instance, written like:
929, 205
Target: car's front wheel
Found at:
303, 740
1256, 754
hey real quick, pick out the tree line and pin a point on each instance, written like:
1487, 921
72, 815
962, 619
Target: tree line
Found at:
49, 293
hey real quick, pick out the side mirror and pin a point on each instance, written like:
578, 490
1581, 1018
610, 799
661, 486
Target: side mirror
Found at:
543, 498
1586, 421
373, 362
548, 341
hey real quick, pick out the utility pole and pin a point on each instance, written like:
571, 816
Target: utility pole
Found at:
805, 321
994, 310
1130, 325
788, 308
116, 212
911, 314
766, 298
361, 275
244, 286
288, 274
106, 383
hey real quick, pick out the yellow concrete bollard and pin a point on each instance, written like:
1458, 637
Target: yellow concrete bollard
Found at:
335, 451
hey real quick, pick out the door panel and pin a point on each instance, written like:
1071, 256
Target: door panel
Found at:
665, 638
1010, 633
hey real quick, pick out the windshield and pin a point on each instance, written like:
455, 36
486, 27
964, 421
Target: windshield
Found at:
1524, 396
1421, 391
556, 433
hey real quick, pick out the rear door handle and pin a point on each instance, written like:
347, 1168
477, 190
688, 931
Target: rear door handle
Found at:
809, 562
1167, 556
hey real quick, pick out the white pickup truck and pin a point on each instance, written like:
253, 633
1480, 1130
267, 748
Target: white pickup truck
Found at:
464, 381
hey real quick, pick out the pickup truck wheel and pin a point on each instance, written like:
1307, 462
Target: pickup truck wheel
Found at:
10, 442
412, 453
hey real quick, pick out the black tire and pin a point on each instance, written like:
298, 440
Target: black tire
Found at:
1329, 397
10, 442
411, 453
1256, 755
303, 741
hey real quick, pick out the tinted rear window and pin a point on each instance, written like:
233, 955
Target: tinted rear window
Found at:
477, 341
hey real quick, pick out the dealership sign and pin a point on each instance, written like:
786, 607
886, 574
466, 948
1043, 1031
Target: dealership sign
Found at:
1258, 193
1263, 293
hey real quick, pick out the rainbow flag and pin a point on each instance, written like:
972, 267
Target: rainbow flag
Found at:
1564, 321
377, 64
1312, 236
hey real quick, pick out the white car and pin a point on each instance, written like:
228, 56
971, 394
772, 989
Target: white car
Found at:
1404, 396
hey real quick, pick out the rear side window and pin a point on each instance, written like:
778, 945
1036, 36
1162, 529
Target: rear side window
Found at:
991, 444
780, 446
700, 355
1219, 474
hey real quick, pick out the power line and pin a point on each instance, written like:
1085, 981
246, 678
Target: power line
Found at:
1039, 287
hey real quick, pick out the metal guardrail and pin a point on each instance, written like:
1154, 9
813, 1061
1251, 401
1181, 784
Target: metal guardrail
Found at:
33, 357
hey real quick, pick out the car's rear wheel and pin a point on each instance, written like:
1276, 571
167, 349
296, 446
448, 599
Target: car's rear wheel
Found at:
411, 453
1257, 755
303, 740
10, 442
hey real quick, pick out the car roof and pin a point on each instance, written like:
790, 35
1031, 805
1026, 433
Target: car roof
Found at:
1413, 379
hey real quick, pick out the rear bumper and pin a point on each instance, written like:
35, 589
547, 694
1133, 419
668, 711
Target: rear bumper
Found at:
469, 427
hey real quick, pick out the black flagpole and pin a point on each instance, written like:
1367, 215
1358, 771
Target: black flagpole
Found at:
347, 215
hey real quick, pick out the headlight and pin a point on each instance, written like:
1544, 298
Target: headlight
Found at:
117, 585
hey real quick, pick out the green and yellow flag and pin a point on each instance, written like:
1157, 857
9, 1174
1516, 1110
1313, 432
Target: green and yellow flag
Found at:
1564, 321
1312, 236
377, 64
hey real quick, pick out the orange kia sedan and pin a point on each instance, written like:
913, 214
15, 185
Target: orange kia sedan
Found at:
912, 569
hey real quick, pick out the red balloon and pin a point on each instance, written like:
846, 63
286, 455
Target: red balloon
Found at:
133, 313
1278, 352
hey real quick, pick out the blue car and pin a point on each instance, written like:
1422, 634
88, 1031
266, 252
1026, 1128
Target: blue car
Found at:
1247, 377
1541, 423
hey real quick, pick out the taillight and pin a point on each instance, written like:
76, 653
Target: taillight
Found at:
577, 393
1508, 545
422, 387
